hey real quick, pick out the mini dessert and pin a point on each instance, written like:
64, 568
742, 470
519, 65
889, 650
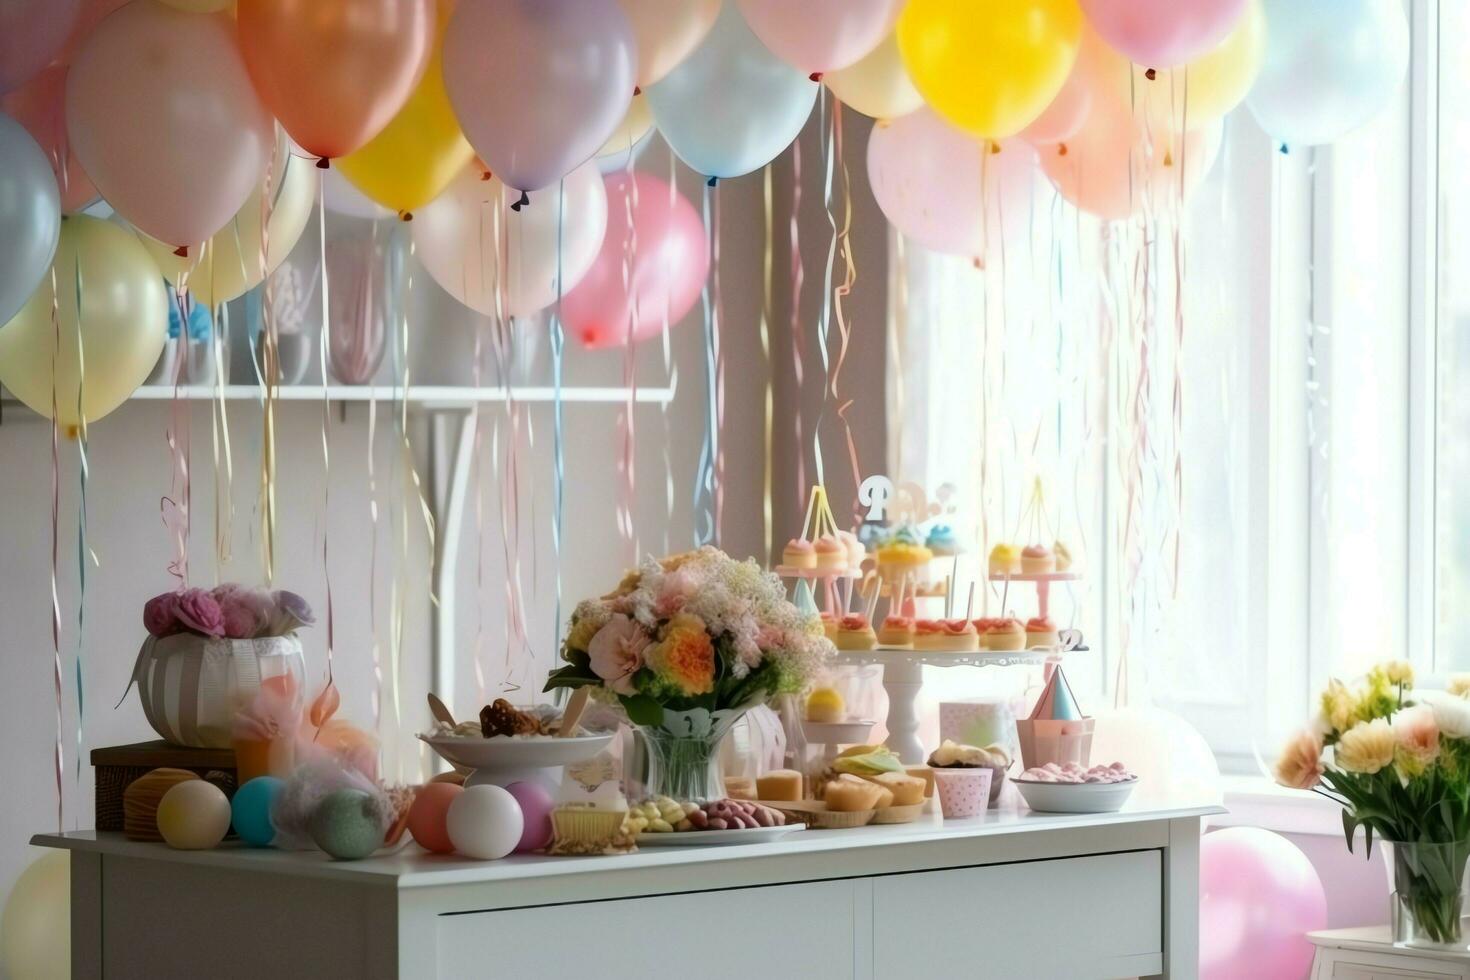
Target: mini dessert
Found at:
922, 773
866, 761
857, 553
982, 626
854, 632
898, 558
1071, 772
590, 828
897, 631
664, 815
941, 541
658, 815
849, 794
1005, 559
503, 718
740, 788
799, 553
1005, 634
907, 790
953, 636
825, 705
1041, 632
960, 636
1037, 559
829, 624
1063, 557
953, 755
779, 785
831, 554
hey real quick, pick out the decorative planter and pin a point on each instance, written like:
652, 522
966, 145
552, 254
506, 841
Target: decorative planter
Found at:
1429, 893
681, 757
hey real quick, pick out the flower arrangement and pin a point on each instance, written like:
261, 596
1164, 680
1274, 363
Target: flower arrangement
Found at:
231, 611
1398, 761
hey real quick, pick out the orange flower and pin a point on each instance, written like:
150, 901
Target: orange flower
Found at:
1300, 765
684, 659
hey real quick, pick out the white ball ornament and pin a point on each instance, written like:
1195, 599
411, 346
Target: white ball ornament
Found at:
485, 822
194, 815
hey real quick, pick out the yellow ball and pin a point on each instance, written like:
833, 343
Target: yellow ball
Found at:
194, 815
35, 931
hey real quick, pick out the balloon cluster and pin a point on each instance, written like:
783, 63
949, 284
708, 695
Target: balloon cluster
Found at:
488, 122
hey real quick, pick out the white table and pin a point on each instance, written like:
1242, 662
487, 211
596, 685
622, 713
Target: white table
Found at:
1368, 953
1013, 894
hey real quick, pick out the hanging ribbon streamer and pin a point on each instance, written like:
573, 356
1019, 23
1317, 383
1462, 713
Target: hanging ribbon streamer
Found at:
558, 435
175, 508
627, 433
671, 376
824, 321
798, 334
719, 326
269, 378
766, 482
219, 445
839, 295
60, 753
328, 697
84, 553
704, 503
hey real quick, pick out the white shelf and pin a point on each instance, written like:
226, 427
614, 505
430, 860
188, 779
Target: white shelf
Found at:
1036, 577
945, 658
444, 396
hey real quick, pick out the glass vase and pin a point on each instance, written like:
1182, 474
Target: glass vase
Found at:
680, 758
1429, 893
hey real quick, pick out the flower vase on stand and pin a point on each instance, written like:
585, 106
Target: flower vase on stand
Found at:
680, 758
1428, 893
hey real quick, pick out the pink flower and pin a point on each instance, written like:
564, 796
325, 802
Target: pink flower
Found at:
291, 613
247, 612
677, 588
198, 612
1300, 764
1418, 738
160, 615
617, 652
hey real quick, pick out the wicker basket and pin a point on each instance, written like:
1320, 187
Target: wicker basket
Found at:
115, 767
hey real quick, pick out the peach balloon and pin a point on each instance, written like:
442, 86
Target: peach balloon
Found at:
821, 35
40, 106
429, 814
667, 31
161, 115
335, 72
1097, 67
31, 33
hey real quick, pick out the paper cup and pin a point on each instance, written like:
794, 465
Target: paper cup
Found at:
962, 792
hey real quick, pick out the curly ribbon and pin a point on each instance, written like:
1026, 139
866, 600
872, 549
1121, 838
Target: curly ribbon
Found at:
627, 432
60, 753
765, 332
719, 326
175, 508
219, 444
324, 351
798, 334
839, 295
269, 378
705, 530
84, 470
824, 321
897, 341
558, 433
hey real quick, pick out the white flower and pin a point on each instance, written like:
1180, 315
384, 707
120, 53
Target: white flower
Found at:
1451, 714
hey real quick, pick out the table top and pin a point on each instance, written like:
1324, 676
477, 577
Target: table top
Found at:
1378, 939
410, 866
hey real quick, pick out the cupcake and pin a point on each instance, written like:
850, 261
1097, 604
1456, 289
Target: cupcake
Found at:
855, 633
960, 636
856, 552
929, 634
941, 541
954, 756
825, 705
831, 554
1063, 556
799, 553
1037, 559
982, 627
1005, 560
897, 559
1041, 632
962, 779
829, 624
1005, 634
897, 631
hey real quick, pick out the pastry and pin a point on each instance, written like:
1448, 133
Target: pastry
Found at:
779, 785
829, 624
831, 554
900, 558
960, 636
924, 774
897, 631
1063, 557
953, 755
929, 634
854, 632
866, 760
1005, 559
1071, 772
740, 788
503, 718
799, 553
941, 541
1041, 632
849, 794
907, 790
1037, 559
857, 553
825, 705
1005, 634
982, 626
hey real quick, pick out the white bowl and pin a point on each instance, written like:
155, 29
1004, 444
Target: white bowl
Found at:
518, 753
1074, 797
837, 732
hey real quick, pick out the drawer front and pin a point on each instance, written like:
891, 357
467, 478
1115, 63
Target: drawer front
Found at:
1098, 916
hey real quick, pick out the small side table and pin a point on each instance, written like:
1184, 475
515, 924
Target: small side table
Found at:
1368, 953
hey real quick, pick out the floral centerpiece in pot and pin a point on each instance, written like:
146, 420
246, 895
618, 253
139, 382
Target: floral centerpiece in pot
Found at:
686, 645
1398, 761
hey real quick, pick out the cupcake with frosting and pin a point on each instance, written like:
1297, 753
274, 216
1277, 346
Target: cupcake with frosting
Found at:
1005, 559
1037, 559
799, 553
1005, 634
1041, 632
831, 554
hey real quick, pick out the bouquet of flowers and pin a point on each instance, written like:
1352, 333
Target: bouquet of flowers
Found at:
231, 611
1398, 761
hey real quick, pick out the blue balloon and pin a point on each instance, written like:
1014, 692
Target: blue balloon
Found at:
732, 106
1329, 67
250, 810
30, 217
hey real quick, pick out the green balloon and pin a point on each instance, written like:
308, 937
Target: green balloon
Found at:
346, 825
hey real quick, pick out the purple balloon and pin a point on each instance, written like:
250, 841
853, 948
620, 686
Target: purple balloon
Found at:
31, 33
538, 85
1259, 897
536, 806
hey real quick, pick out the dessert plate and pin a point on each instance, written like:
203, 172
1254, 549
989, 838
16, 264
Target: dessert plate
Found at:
717, 838
1075, 797
517, 752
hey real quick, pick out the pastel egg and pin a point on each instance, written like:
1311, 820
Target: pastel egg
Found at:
346, 824
250, 810
427, 816
485, 822
536, 805
194, 815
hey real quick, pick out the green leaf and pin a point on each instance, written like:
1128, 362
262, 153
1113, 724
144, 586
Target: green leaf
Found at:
1348, 826
642, 709
572, 676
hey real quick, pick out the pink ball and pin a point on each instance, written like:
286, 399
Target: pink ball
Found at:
429, 814
536, 805
1259, 897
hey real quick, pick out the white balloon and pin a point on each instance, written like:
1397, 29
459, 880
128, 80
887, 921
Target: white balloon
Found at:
484, 822
343, 198
559, 231
1172, 759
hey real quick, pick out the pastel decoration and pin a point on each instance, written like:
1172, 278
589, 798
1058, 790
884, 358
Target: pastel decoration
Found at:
429, 813
30, 217
485, 822
560, 232
40, 106
1097, 67
980, 721
538, 85
1057, 702
1170, 756
649, 270
31, 34
1208, 87
347, 824
250, 810
989, 69
335, 72
1163, 33
160, 112
536, 805
732, 106
1259, 896
963, 793
666, 31
123, 329
636, 124
1329, 67
194, 815
35, 928
876, 85
820, 35
804, 600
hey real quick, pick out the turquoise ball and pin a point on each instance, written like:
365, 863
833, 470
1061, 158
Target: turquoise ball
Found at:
346, 825
250, 810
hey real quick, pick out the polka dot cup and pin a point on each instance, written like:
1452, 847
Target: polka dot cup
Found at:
963, 792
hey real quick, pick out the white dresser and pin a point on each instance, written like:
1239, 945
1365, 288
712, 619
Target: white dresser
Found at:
1369, 954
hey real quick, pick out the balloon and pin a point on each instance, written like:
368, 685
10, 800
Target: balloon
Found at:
162, 117
428, 815
199, 6
1205, 89
1163, 33
1259, 896
335, 72
662, 255
40, 106
878, 85
407, 165
637, 123
31, 34
538, 85
229, 263
194, 815
455, 239
250, 810
1170, 756
30, 217
821, 35
1097, 66
343, 198
485, 822
732, 106
536, 805
665, 31
35, 932
1330, 66
123, 325
88, 17
989, 68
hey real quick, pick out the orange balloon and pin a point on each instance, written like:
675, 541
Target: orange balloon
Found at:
335, 72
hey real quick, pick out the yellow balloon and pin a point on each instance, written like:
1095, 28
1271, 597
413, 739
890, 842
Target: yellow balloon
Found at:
122, 327
637, 121
229, 264
1204, 90
35, 932
877, 85
410, 162
989, 68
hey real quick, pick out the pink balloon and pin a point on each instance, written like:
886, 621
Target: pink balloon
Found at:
40, 106
538, 85
536, 806
1163, 33
821, 35
31, 34
667, 258
1259, 897
88, 17
161, 115
1092, 75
